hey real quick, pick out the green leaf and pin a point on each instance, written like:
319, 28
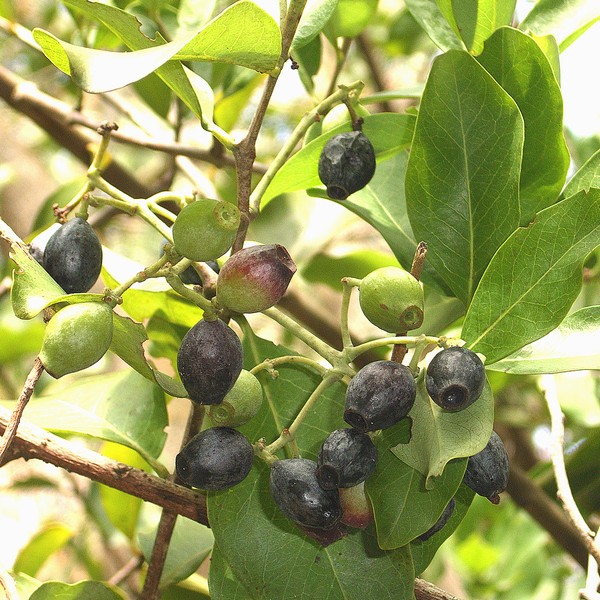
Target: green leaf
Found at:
588, 176
143, 300
350, 17
46, 541
314, 17
566, 20
127, 343
269, 555
190, 544
191, 15
462, 180
423, 552
474, 22
19, 338
534, 278
403, 506
389, 133
84, 590
94, 406
518, 64
243, 34
429, 16
438, 436
122, 509
223, 583
573, 346
26, 585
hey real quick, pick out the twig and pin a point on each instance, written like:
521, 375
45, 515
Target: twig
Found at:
130, 567
427, 591
7, 583
34, 442
592, 582
564, 493
167, 520
15, 417
399, 352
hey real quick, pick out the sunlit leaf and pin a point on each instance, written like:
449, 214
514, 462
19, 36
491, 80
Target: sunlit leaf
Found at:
84, 590
587, 177
50, 538
314, 17
428, 15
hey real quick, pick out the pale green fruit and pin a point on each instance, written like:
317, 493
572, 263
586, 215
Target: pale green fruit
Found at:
205, 229
76, 337
240, 404
392, 299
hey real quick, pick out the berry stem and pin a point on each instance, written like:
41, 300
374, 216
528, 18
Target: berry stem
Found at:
347, 285
141, 276
405, 340
270, 363
197, 299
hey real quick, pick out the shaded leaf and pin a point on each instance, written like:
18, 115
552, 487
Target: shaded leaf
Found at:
518, 64
389, 133
84, 590
463, 173
573, 346
223, 583
428, 15
50, 538
438, 436
534, 278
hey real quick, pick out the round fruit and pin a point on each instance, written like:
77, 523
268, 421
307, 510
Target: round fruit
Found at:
346, 458
392, 299
73, 256
487, 471
215, 459
76, 337
444, 518
455, 378
379, 395
209, 361
205, 229
255, 278
296, 491
356, 506
241, 403
346, 164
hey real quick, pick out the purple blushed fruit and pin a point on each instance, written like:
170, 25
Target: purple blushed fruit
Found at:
254, 278
356, 506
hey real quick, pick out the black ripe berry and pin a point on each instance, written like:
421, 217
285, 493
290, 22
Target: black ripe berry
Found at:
487, 471
440, 522
455, 378
215, 459
209, 361
296, 491
191, 277
346, 164
346, 458
73, 256
379, 395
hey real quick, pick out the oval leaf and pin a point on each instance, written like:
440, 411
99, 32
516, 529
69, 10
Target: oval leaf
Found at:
462, 180
534, 278
314, 17
48, 540
84, 590
428, 15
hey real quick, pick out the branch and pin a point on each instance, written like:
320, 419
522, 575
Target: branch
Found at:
427, 591
33, 442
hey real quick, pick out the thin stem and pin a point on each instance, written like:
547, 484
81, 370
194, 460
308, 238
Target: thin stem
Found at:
344, 324
404, 340
13, 424
270, 363
141, 276
564, 493
7, 584
197, 299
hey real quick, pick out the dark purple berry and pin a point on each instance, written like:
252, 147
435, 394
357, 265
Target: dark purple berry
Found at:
255, 278
487, 471
455, 378
209, 361
73, 256
346, 164
215, 459
190, 275
440, 522
346, 458
379, 395
296, 491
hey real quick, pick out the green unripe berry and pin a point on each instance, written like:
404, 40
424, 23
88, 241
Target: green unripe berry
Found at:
240, 404
76, 337
205, 229
392, 299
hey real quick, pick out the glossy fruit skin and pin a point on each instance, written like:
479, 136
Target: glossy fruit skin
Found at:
241, 403
205, 229
73, 256
487, 471
346, 164
346, 458
392, 299
215, 459
455, 378
209, 361
379, 395
76, 337
255, 278
296, 491
439, 524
